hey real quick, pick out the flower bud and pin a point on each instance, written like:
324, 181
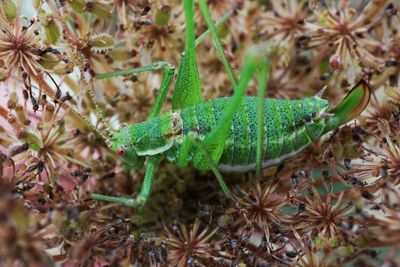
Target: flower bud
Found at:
48, 61
3, 75
99, 9
334, 61
163, 15
77, 5
33, 141
9, 8
11, 119
22, 116
345, 250
48, 112
37, 3
52, 30
120, 55
12, 101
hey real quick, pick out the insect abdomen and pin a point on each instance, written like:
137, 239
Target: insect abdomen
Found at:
290, 126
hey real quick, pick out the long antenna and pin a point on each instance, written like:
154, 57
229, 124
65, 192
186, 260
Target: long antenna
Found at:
98, 110
92, 127
106, 139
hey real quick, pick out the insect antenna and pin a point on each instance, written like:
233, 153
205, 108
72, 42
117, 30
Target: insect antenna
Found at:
58, 99
106, 139
98, 110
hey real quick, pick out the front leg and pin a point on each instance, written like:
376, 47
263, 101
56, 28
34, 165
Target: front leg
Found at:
145, 191
169, 71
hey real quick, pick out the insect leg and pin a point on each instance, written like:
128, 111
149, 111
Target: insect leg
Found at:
264, 71
220, 21
162, 93
144, 191
183, 152
187, 86
214, 141
262, 85
190, 140
214, 34
165, 83
151, 67
213, 168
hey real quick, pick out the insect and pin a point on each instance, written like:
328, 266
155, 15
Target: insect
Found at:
235, 133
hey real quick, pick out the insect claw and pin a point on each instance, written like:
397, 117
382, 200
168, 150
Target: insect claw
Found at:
321, 92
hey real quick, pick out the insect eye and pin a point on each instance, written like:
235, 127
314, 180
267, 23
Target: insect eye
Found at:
121, 152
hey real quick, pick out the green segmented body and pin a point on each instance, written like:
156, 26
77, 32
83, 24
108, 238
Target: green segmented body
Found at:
290, 126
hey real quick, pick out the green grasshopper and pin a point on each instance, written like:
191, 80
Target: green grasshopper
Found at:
230, 134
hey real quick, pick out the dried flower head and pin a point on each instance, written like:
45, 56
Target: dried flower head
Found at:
341, 33
283, 21
260, 205
190, 247
19, 47
323, 215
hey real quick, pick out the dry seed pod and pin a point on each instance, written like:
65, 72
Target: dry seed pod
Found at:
77, 5
22, 116
12, 101
52, 30
101, 43
48, 61
63, 68
12, 120
101, 10
48, 112
163, 15
3, 75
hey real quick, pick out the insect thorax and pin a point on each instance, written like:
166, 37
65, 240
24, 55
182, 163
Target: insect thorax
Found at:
150, 137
